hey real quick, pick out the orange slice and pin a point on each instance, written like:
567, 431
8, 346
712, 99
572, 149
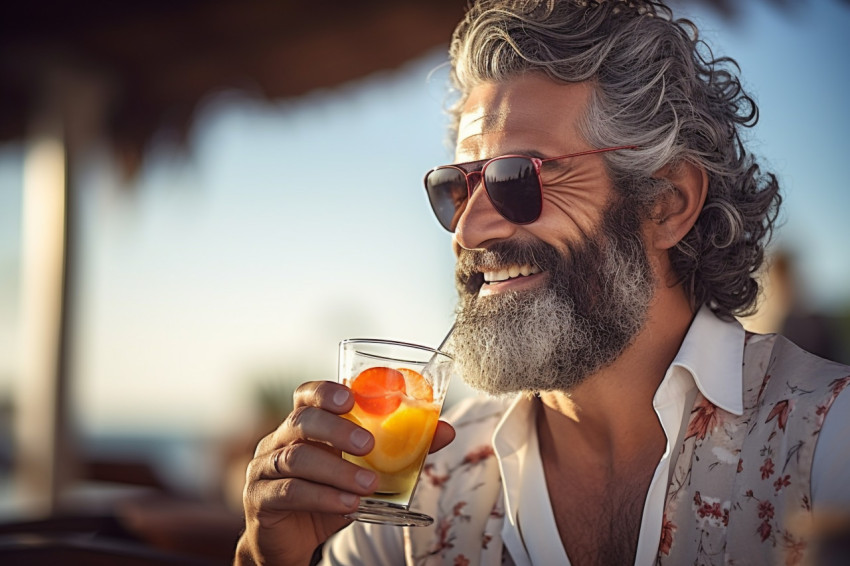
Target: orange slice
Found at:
416, 385
402, 439
376, 390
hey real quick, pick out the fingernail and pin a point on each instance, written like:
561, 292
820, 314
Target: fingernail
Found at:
360, 437
364, 478
348, 499
340, 397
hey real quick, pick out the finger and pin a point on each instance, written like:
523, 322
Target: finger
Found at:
328, 395
304, 423
443, 435
309, 462
310, 393
312, 424
306, 477
295, 494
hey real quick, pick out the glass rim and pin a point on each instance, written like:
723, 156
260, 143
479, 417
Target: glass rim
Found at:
388, 342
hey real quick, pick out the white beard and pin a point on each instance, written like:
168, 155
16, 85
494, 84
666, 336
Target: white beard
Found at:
553, 338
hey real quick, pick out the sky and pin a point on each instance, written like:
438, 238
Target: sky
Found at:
290, 226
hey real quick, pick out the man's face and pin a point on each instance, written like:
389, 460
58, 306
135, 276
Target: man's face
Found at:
544, 305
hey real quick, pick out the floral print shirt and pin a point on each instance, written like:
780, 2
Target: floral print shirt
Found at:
741, 489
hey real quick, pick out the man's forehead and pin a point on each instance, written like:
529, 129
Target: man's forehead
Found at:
479, 130
527, 108
482, 119
491, 107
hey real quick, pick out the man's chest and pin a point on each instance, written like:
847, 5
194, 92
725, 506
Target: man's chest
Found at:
598, 515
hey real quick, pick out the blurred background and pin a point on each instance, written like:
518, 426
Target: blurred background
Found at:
199, 199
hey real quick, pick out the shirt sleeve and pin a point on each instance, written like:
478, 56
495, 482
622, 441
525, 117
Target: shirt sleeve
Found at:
831, 465
365, 544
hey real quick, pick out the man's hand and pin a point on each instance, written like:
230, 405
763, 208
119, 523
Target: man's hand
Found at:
298, 488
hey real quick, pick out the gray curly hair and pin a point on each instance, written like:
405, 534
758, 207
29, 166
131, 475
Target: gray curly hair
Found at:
658, 86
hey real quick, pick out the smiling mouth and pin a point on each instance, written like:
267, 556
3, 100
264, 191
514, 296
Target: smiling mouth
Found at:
510, 272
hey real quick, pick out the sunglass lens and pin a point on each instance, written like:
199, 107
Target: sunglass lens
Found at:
448, 194
514, 189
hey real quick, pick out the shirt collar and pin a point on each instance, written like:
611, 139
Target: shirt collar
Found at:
713, 354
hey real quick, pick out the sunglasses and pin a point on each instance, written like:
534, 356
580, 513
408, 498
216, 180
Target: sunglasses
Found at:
512, 183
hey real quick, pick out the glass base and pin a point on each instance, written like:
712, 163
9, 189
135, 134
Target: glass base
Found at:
383, 513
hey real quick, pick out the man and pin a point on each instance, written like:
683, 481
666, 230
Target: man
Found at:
608, 223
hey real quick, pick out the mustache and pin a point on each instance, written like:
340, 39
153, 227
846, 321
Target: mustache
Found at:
471, 263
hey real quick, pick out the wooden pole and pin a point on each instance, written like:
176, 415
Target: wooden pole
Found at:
41, 401
45, 439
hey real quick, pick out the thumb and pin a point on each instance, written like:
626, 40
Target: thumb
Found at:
443, 435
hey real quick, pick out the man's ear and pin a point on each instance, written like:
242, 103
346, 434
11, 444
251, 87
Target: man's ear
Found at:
677, 209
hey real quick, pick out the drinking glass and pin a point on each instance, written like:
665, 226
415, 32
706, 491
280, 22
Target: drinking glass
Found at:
399, 389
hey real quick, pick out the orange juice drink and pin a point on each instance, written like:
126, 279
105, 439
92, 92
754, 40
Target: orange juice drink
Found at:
398, 408
398, 394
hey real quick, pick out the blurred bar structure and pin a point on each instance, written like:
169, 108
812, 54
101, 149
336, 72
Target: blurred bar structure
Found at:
42, 410
64, 119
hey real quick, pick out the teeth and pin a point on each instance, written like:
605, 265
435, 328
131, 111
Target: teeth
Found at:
510, 272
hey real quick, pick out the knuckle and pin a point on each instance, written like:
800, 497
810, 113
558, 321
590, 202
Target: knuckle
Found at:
253, 470
262, 446
304, 393
286, 490
290, 457
265, 444
296, 418
250, 495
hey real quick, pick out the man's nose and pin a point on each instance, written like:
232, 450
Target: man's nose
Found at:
480, 222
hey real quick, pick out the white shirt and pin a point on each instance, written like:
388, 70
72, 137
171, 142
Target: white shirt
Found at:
529, 531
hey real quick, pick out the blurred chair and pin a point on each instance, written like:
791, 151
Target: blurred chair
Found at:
90, 541
121, 512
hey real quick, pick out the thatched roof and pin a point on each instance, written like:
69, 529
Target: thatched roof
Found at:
157, 59
160, 58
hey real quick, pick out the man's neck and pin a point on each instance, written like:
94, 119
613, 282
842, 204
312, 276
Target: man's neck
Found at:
609, 418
